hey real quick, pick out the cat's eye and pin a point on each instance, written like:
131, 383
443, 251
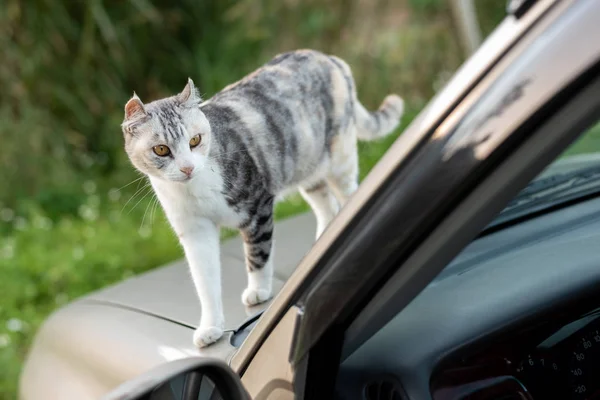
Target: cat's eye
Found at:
161, 150
195, 141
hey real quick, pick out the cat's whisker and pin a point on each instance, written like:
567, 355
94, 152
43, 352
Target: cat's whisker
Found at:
146, 210
131, 183
153, 210
135, 195
140, 181
140, 200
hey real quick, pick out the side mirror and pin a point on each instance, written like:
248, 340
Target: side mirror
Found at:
186, 379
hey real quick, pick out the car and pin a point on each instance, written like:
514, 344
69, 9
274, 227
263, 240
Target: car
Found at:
464, 267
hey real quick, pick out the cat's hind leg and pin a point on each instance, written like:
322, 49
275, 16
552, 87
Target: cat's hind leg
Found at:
323, 202
257, 234
343, 171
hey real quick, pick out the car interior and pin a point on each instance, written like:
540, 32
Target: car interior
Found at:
515, 316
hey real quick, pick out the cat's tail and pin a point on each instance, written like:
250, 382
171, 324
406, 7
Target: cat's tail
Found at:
372, 125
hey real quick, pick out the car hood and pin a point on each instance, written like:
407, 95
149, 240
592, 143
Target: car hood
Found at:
168, 292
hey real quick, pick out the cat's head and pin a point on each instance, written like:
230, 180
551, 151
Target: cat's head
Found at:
167, 138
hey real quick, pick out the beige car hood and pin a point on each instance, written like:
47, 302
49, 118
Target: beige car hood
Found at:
168, 292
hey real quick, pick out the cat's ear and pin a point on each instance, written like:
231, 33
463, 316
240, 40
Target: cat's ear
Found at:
189, 95
134, 108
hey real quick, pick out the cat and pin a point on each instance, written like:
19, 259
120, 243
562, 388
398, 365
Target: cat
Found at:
291, 125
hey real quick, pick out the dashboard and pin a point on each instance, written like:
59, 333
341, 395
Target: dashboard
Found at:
516, 315
547, 361
567, 363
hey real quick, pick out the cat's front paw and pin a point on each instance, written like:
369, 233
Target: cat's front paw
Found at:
204, 336
254, 296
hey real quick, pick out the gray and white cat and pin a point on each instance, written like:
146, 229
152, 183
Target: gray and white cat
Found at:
292, 124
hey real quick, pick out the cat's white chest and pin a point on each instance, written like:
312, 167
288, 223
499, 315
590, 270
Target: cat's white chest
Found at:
201, 197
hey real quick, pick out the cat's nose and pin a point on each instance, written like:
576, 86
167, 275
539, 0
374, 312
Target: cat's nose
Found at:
187, 170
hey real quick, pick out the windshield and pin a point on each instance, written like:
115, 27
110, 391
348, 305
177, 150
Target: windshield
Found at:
574, 176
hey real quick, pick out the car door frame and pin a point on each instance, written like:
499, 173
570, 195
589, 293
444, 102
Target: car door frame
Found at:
458, 159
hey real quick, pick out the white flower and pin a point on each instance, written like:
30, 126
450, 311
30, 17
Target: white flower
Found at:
14, 325
88, 213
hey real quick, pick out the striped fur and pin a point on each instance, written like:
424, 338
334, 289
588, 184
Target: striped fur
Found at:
290, 125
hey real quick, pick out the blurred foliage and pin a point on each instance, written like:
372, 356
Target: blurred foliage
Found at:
489, 14
68, 67
424, 8
67, 70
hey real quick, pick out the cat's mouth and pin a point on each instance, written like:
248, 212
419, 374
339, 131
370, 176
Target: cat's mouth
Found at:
182, 179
